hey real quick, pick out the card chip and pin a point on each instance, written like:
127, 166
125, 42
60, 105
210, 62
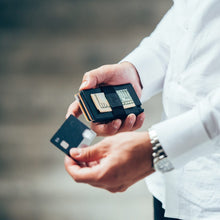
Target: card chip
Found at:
64, 144
72, 133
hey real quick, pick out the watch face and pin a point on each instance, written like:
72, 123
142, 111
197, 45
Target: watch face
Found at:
164, 165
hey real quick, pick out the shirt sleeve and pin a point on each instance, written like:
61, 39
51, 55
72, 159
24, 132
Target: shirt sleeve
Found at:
151, 57
192, 134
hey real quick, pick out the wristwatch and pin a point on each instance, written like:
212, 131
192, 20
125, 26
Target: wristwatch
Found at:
161, 162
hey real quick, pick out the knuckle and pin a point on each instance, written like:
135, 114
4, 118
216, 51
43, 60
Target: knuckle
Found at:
103, 68
112, 189
122, 189
89, 154
117, 189
85, 154
86, 75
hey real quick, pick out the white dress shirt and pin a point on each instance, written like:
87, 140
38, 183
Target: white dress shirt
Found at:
181, 58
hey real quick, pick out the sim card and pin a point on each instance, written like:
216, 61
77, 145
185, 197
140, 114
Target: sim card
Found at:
73, 133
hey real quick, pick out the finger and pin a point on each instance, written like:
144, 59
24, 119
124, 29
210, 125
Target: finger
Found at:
88, 175
73, 169
110, 128
97, 76
88, 154
139, 121
74, 109
69, 162
128, 123
92, 163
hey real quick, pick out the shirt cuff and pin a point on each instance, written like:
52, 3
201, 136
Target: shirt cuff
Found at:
183, 137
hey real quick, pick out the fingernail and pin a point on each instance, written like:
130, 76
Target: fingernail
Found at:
75, 152
116, 124
142, 119
131, 119
84, 84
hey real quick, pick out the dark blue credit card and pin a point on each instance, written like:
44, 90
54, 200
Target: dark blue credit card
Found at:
72, 133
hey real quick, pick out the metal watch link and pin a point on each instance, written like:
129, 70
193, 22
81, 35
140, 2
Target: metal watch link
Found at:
160, 161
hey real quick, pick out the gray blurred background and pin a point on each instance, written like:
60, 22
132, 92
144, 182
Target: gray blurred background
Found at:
45, 48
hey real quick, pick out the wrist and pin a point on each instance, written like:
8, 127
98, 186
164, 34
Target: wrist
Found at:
148, 150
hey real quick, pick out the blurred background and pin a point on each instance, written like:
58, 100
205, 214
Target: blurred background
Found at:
45, 48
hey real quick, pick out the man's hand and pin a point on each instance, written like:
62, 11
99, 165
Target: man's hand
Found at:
115, 163
111, 75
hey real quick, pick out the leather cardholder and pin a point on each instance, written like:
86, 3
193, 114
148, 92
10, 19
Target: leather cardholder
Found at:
107, 103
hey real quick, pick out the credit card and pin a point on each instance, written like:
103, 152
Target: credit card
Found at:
72, 133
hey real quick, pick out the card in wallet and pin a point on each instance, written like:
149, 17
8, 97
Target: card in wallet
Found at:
72, 133
107, 103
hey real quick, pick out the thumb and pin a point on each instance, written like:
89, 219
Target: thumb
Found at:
89, 82
97, 76
88, 154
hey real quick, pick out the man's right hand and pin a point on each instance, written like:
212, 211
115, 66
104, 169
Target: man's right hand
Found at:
115, 74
